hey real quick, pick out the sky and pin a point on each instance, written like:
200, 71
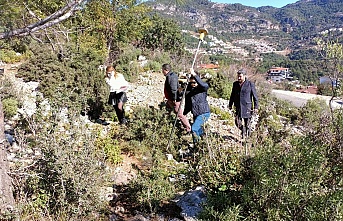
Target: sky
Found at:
258, 3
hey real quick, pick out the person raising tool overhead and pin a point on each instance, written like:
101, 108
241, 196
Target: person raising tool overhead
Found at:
196, 102
202, 32
245, 100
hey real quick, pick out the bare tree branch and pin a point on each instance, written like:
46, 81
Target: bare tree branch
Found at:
55, 18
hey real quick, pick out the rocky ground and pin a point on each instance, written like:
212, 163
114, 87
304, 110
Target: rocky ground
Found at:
147, 91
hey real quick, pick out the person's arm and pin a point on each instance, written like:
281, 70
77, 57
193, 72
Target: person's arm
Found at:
254, 96
232, 96
124, 85
201, 84
173, 82
108, 78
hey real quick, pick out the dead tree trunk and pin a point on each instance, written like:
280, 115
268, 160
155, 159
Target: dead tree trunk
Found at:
6, 194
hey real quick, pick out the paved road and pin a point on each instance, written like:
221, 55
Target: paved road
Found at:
299, 99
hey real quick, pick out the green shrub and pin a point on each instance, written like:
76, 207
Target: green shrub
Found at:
223, 115
288, 110
126, 63
63, 182
220, 86
288, 180
150, 190
219, 207
10, 107
312, 112
9, 56
148, 126
73, 81
160, 57
218, 167
111, 148
130, 70
153, 66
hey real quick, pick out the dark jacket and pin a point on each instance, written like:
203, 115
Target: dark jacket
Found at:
196, 99
170, 86
243, 98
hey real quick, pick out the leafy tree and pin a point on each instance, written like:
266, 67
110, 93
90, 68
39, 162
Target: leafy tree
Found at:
220, 86
163, 35
24, 18
74, 82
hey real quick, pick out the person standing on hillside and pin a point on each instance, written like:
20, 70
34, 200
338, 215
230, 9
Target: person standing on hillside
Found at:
118, 87
196, 102
171, 86
245, 100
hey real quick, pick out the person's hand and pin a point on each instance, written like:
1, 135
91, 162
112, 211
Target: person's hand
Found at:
255, 111
123, 88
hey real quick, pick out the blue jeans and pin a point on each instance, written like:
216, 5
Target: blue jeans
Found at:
197, 125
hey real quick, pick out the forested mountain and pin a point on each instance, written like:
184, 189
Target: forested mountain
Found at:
291, 26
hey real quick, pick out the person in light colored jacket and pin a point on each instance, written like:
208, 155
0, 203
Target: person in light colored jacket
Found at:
118, 87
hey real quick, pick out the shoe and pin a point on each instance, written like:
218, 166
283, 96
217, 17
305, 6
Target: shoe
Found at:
124, 121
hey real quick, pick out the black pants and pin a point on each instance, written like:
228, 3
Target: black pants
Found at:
116, 98
244, 125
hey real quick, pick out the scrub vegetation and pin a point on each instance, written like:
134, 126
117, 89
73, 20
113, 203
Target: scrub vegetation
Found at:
293, 169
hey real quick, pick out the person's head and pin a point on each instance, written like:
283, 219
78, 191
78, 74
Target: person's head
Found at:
192, 82
241, 75
166, 68
110, 70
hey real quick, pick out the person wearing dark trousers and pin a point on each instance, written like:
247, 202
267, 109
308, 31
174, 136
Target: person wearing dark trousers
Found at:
196, 103
118, 87
245, 100
171, 86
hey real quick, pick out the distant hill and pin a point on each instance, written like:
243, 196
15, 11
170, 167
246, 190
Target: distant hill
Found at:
290, 27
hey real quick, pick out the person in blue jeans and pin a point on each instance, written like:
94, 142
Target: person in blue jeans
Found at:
196, 102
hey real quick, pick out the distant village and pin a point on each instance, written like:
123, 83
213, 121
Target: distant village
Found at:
217, 46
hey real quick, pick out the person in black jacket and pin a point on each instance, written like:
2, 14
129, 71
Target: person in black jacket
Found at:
171, 86
245, 100
196, 102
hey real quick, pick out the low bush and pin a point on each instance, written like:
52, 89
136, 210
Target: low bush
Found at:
10, 107
220, 86
110, 147
153, 66
312, 112
223, 115
72, 81
220, 206
151, 189
9, 56
64, 179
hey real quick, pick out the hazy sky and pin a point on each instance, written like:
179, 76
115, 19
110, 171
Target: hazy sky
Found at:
258, 3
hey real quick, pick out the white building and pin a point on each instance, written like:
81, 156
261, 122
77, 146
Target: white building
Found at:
278, 74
